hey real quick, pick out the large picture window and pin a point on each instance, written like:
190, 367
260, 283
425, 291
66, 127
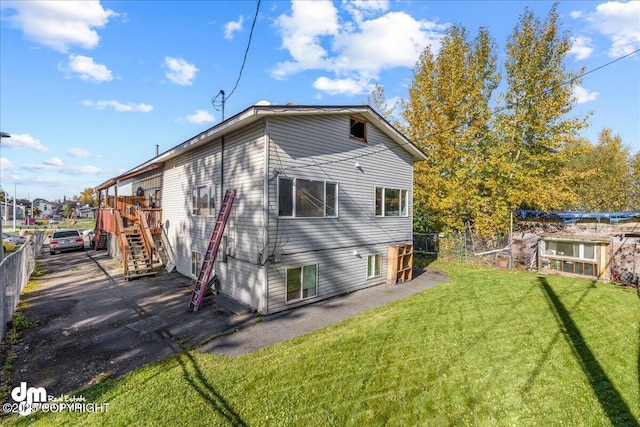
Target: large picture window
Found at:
302, 282
302, 198
391, 202
203, 200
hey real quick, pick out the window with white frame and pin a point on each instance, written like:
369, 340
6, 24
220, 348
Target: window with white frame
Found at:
203, 200
392, 202
303, 198
196, 263
582, 250
373, 265
302, 282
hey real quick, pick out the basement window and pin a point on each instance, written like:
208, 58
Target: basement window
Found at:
358, 129
373, 265
196, 263
302, 282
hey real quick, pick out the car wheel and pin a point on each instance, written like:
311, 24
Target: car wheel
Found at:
51, 253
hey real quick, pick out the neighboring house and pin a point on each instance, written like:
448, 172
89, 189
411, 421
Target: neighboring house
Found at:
45, 208
322, 193
598, 245
85, 212
7, 211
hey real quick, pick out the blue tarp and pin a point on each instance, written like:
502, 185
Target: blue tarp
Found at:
574, 216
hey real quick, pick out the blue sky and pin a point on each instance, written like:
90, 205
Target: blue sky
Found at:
87, 89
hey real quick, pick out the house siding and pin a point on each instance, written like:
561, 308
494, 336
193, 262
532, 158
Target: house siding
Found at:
319, 148
243, 168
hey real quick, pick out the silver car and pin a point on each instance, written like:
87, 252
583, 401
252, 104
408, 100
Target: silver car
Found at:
66, 240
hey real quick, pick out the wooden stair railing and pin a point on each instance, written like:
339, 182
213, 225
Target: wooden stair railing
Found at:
147, 238
138, 261
122, 238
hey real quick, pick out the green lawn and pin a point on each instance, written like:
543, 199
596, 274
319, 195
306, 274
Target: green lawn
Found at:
489, 347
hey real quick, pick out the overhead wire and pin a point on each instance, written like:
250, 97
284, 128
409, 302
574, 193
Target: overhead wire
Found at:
244, 61
246, 52
493, 113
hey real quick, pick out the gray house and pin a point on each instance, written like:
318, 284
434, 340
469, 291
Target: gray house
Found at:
323, 192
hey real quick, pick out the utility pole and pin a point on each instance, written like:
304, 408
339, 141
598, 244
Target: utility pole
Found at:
3, 135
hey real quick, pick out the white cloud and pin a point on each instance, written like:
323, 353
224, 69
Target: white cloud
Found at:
60, 24
54, 161
343, 86
118, 106
619, 21
50, 181
78, 152
24, 141
581, 47
355, 51
393, 40
301, 32
233, 27
81, 170
360, 9
583, 95
200, 116
6, 165
53, 166
180, 71
87, 69
40, 167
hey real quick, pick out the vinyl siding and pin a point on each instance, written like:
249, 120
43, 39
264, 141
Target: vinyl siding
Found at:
243, 170
319, 148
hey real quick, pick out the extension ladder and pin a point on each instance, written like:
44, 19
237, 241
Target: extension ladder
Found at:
199, 289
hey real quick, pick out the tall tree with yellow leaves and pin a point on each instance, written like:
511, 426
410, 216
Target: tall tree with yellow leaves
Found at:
448, 116
535, 129
606, 173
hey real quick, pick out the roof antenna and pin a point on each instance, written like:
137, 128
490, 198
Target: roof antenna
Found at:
219, 104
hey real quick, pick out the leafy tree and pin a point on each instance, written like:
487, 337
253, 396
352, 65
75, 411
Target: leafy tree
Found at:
448, 115
606, 181
378, 101
87, 197
635, 181
534, 127
66, 210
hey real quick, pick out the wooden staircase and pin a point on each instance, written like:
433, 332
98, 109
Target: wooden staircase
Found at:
138, 262
100, 240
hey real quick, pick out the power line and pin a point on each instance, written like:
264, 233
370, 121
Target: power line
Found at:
499, 110
244, 61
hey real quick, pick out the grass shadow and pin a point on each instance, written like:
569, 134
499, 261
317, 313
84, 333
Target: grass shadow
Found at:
200, 384
608, 396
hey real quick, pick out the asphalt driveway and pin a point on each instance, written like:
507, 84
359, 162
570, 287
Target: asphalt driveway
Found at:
91, 322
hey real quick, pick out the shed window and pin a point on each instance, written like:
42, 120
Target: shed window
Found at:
358, 129
571, 249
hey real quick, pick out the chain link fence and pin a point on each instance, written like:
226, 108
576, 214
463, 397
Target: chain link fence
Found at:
15, 271
463, 246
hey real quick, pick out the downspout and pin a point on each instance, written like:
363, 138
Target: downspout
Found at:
221, 169
265, 221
